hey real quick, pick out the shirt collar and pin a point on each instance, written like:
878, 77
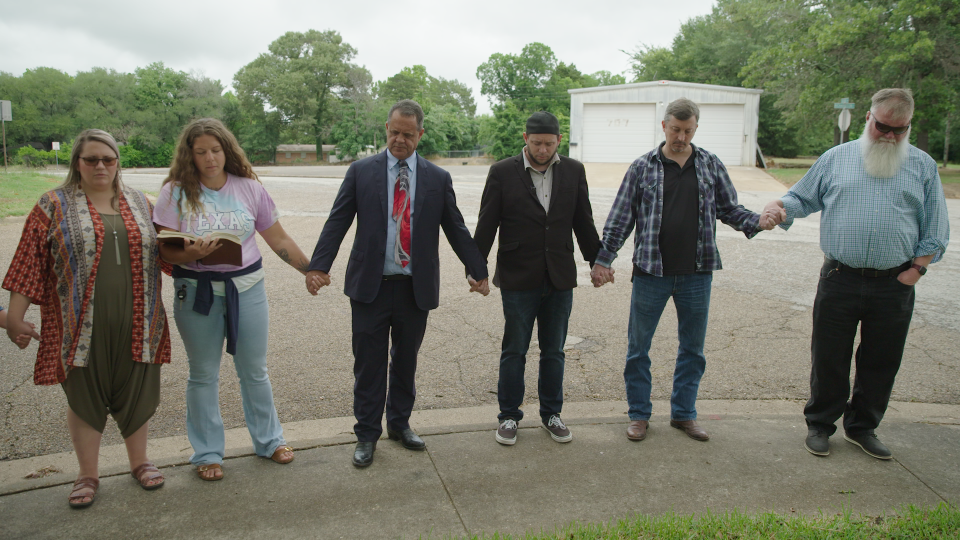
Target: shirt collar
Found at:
392, 161
526, 160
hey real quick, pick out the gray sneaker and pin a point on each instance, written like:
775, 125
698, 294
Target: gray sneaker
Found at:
870, 444
558, 431
817, 442
507, 432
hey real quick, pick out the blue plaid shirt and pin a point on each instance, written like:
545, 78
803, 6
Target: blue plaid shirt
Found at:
639, 206
870, 222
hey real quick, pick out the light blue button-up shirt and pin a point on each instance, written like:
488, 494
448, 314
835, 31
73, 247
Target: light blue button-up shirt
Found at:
390, 266
870, 222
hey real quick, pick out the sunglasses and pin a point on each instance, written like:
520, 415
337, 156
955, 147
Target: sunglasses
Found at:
92, 161
883, 128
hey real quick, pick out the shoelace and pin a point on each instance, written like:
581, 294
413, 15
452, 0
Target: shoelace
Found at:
556, 422
508, 424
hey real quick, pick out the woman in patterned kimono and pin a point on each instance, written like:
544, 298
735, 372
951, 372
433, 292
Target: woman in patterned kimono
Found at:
88, 256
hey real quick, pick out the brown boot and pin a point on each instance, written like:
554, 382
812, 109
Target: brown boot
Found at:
692, 430
637, 430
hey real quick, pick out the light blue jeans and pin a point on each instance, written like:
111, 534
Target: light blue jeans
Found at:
203, 337
691, 296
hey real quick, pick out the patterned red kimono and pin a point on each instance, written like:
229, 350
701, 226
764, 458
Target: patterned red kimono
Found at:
55, 265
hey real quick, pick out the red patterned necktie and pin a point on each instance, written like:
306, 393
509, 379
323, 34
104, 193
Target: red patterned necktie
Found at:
401, 214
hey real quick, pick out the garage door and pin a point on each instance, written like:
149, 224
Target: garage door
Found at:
720, 130
617, 132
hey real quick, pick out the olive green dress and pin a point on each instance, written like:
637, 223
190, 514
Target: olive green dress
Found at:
112, 382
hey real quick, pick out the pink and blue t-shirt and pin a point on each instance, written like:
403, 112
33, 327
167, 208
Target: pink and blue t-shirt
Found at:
241, 207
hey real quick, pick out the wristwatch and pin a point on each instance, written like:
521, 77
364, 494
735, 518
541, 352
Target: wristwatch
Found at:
918, 268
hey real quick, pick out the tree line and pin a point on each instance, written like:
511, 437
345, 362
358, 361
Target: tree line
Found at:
805, 55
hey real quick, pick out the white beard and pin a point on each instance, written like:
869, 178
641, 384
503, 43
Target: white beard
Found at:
883, 159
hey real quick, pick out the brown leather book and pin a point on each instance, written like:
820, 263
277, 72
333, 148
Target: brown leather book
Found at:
229, 252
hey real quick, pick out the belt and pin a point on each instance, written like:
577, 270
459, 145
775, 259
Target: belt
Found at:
871, 272
396, 277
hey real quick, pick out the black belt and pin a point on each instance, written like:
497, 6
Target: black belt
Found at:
871, 272
395, 277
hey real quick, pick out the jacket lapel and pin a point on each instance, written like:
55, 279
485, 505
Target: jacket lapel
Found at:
555, 184
381, 183
423, 184
526, 180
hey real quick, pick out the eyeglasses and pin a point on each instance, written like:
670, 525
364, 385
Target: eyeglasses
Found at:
883, 128
92, 161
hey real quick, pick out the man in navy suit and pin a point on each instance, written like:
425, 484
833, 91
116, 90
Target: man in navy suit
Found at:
400, 201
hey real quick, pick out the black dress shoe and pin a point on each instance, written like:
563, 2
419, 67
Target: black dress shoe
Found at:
363, 455
408, 438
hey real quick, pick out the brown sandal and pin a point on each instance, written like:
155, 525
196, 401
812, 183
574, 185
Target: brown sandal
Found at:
153, 473
203, 468
282, 449
85, 482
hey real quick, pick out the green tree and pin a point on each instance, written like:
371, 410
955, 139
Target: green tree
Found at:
105, 100
300, 78
41, 106
846, 48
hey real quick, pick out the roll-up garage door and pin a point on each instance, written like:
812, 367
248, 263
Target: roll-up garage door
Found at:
720, 131
617, 132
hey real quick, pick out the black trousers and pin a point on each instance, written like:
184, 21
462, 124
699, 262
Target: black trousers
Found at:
393, 315
883, 307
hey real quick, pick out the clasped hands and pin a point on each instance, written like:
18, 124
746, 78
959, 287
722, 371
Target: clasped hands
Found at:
482, 286
601, 275
773, 215
20, 332
315, 279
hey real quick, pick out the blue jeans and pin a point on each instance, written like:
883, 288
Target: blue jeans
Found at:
203, 337
551, 309
691, 296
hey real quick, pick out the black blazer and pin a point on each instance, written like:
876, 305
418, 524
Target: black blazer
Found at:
532, 242
364, 194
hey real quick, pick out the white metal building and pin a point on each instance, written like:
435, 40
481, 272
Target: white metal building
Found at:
618, 124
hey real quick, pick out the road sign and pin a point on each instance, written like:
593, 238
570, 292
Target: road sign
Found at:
6, 114
56, 146
844, 104
844, 121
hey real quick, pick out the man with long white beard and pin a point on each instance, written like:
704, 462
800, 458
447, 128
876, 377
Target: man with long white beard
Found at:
883, 221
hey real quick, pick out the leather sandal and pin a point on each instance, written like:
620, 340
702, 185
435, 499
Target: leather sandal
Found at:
151, 472
203, 468
86, 482
282, 449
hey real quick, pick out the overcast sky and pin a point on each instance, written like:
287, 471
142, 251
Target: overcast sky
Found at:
450, 38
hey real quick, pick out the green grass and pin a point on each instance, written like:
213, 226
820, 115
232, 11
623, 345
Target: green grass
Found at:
942, 521
19, 191
787, 177
791, 175
950, 175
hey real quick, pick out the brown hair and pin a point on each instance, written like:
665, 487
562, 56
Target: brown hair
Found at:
682, 109
73, 172
184, 172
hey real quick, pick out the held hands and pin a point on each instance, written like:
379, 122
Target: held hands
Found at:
315, 280
773, 215
20, 332
601, 275
198, 249
482, 286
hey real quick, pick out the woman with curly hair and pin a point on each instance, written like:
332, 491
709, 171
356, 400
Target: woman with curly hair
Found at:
212, 188
88, 256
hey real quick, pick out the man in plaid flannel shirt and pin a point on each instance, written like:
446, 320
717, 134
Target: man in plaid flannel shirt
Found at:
673, 197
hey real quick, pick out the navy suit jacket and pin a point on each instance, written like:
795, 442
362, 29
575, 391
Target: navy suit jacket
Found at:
364, 194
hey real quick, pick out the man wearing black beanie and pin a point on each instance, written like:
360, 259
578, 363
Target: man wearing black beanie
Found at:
537, 199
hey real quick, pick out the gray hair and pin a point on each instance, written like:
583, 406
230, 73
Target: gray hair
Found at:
408, 107
682, 109
896, 101
73, 173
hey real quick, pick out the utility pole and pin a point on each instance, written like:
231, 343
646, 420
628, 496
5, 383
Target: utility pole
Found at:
6, 115
946, 141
